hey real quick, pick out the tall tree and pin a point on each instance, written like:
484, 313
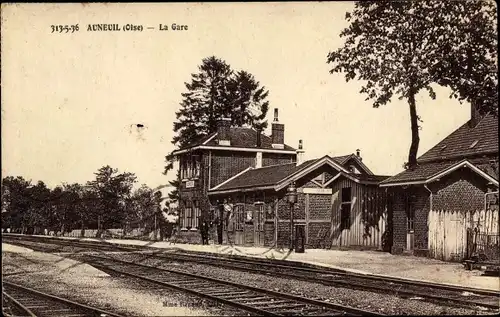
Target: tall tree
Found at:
249, 105
403, 47
204, 102
215, 92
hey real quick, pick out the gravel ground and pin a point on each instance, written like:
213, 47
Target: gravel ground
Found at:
83, 283
382, 303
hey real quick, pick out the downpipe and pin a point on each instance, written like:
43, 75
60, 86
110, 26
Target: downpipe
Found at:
428, 222
430, 197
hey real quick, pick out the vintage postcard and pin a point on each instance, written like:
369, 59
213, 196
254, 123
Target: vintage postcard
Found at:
250, 158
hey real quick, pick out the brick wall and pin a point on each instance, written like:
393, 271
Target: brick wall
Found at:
226, 164
422, 204
283, 234
317, 233
461, 191
320, 206
275, 159
398, 221
269, 234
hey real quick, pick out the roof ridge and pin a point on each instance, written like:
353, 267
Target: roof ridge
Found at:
274, 165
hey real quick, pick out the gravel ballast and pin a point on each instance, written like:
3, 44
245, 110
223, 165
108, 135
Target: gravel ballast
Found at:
85, 284
382, 303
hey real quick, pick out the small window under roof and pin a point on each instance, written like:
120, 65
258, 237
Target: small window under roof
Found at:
473, 144
443, 147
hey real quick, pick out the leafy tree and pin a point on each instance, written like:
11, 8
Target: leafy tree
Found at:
15, 201
35, 217
403, 47
469, 52
68, 207
112, 190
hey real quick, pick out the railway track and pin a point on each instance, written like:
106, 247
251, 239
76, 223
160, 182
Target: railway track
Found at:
437, 293
22, 301
251, 299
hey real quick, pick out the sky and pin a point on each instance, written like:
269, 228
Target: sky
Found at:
71, 102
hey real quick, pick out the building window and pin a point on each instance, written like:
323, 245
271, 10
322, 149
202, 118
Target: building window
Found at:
240, 217
345, 208
188, 215
197, 215
190, 167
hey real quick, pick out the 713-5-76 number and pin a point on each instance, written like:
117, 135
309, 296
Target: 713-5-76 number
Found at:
65, 28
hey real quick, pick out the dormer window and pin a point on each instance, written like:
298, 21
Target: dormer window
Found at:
353, 169
473, 144
320, 178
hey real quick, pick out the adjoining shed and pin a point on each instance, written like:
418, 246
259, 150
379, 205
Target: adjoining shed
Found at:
339, 204
447, 206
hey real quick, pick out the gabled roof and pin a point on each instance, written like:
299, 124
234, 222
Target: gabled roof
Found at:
278, 176
419, 173
260, 177
430, 172
345, 158
460, 143
464, 143
240, 138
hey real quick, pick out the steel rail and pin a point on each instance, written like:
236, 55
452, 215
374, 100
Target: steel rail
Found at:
273, 267
353, 284
19, 305
301, 299
29, 292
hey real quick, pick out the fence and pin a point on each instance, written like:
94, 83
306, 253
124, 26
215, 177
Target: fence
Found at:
484, 246
112, 233
449, 232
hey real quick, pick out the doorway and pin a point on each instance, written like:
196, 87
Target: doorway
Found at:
258, 225
410, 222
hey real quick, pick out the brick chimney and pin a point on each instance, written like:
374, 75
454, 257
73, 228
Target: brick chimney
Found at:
300, 154
277, 132
259, 137
475, 115
223, 126
358, 155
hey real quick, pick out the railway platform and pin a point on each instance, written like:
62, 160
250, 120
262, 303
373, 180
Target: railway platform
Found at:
364, 262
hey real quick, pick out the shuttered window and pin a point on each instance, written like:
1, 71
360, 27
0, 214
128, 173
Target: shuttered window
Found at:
345, 208
197, 215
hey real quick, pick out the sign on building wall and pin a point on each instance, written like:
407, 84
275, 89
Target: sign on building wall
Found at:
325, 191
189, 184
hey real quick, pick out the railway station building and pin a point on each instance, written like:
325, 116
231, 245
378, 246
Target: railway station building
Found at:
239, 179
